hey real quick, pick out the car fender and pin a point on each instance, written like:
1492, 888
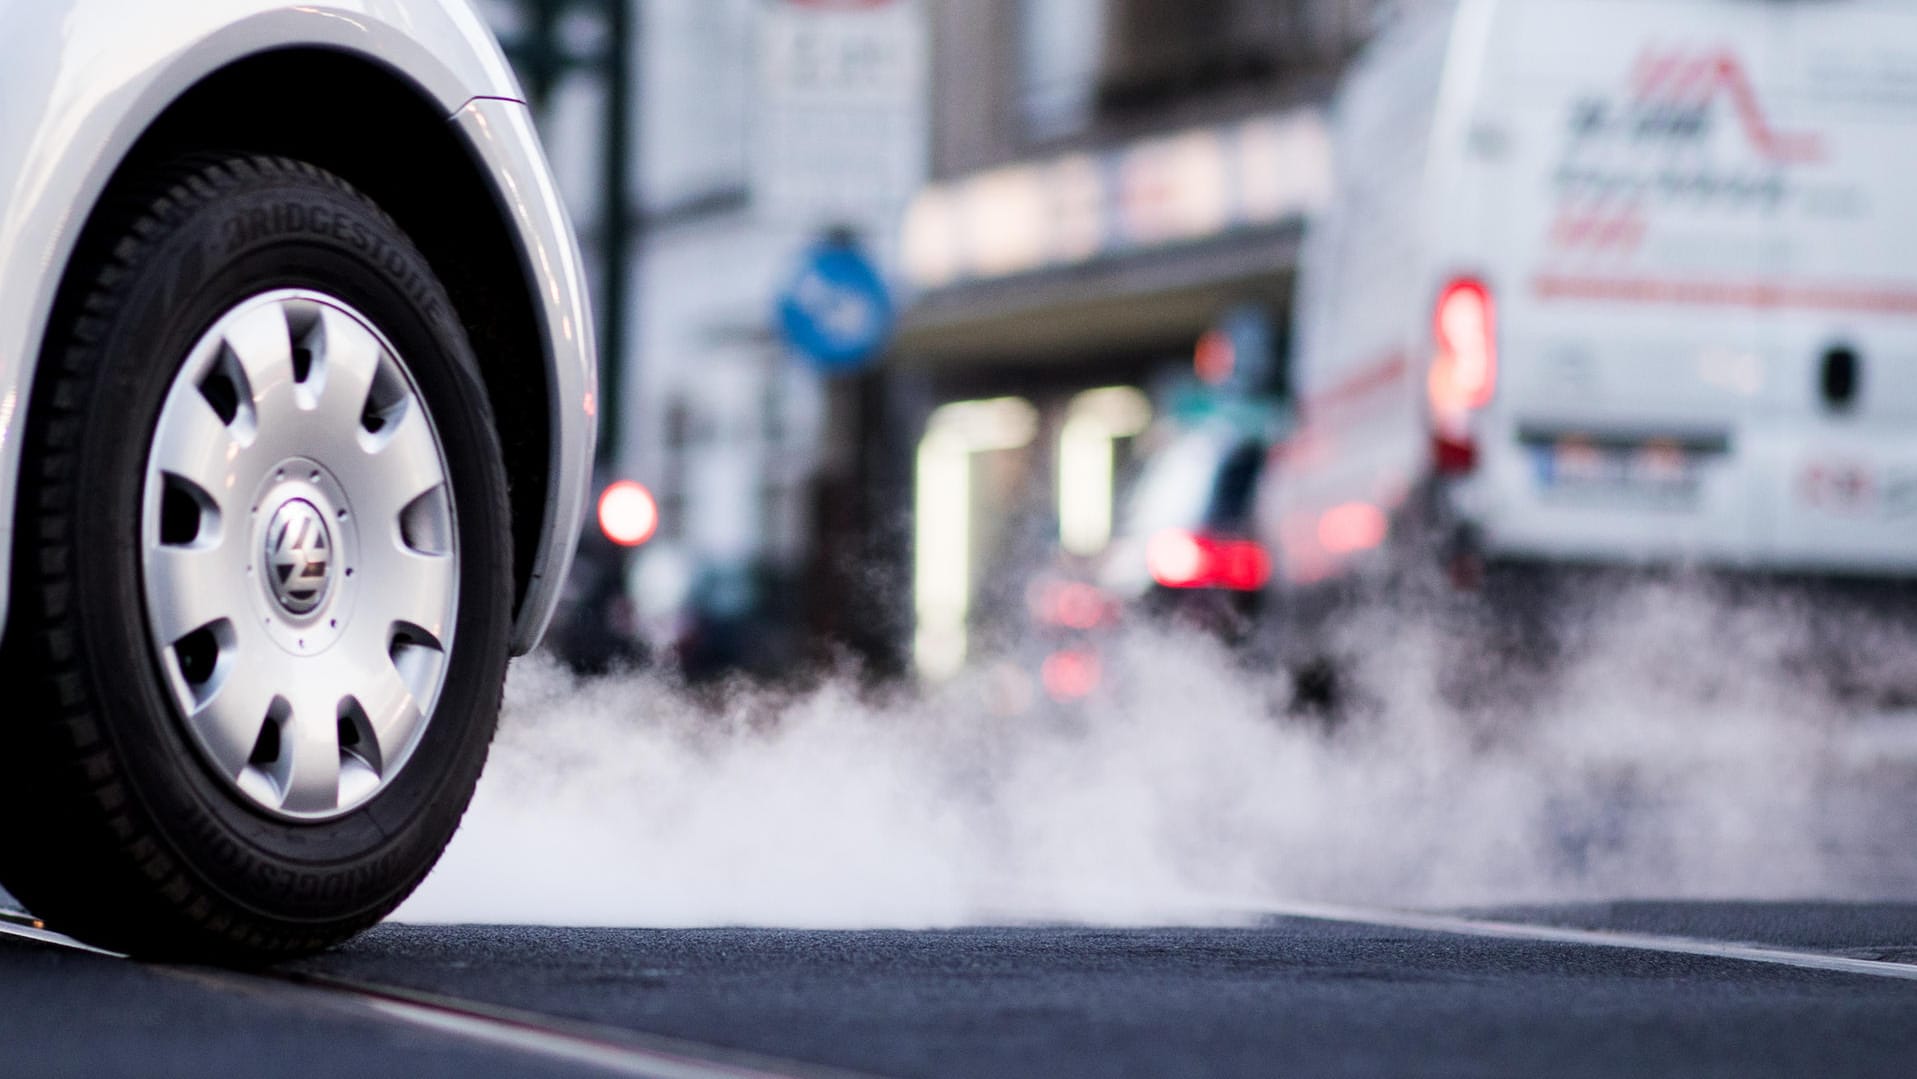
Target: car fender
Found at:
84, 79
501, 135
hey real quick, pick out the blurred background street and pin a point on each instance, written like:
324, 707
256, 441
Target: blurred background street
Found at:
1075, 467
1055, 201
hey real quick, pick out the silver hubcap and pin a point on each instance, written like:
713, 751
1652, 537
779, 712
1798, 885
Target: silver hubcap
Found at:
299, 555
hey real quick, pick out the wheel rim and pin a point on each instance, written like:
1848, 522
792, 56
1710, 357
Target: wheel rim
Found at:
299, 554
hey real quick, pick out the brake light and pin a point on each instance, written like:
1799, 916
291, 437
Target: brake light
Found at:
1181, 559
1464, 371
1071, 674
1464, 374
1353, 526
1454, 453
1071, 604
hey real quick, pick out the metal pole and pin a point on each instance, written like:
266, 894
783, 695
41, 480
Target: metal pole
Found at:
619, 178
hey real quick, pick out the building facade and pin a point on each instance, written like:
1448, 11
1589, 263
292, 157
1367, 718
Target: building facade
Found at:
751, 130
1111, 179
1065, 194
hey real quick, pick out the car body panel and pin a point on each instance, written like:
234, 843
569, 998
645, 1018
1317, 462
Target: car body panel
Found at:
100, 73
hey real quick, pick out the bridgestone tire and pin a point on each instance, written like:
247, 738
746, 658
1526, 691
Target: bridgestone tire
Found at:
113, 827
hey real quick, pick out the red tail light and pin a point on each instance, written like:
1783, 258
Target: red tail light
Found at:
1464, 372
1181, 559
1354, 526
1071, 604
1455, 453
1071, 674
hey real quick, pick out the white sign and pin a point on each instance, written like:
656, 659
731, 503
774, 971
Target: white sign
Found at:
841, 127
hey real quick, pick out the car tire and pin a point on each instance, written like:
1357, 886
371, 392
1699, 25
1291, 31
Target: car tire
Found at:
211, 533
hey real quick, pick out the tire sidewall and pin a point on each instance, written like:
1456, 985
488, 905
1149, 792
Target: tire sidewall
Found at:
281, 231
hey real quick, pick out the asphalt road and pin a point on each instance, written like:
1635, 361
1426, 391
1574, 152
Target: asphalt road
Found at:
1281, 996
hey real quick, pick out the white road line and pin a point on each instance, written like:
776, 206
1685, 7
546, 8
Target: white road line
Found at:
614, 1049
1596, 938
576, 1044
33, 931
606, 1056
610, 1050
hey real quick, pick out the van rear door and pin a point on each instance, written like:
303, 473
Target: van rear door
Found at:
1615, 431
1701, 207
1838, 331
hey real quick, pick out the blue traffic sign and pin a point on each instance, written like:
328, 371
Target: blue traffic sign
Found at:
836, 314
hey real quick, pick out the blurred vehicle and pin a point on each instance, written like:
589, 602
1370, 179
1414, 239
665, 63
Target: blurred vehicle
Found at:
296, 415
738, 620
1184, 551
1182, 555
595, 629
1611, 283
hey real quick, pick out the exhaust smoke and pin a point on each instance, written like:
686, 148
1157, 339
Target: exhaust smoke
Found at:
1681, 753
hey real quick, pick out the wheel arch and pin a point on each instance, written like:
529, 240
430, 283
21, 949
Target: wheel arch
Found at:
386, 135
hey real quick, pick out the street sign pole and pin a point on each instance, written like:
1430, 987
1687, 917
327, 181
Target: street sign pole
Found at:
541, 59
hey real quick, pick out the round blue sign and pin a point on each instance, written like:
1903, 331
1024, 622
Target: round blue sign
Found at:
836, 313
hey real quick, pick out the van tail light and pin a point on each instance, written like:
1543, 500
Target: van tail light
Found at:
1454, 454
1181, 559
1464, 372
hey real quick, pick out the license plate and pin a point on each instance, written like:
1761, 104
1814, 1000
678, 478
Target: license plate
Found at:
1655, 472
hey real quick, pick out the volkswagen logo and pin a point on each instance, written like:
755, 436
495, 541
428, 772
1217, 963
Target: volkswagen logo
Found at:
299, 557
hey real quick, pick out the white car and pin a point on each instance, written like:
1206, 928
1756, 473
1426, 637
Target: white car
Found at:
1613, 282
296, 417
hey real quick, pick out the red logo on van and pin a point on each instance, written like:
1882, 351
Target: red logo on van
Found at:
1682, 84
1631, 153
1842, 487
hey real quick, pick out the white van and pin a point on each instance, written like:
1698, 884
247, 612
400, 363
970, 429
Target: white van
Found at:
1617, 282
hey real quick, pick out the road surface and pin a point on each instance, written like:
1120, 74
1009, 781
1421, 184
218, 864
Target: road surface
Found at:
1733, 989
